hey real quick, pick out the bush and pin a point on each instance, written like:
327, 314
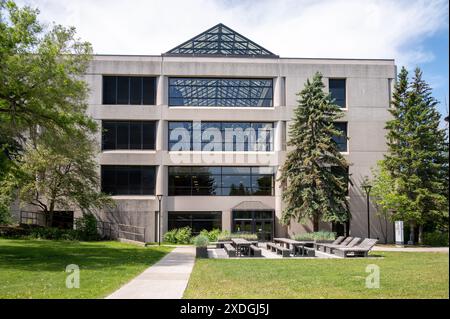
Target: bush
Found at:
320, 235
86, 227
435, 239
178, 235
200, 241
225, 235
212, 235
169, 236
183, 235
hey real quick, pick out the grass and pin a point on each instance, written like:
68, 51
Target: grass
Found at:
402, 275
36, 268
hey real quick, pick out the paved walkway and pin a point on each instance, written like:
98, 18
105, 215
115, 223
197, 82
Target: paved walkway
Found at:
412, 249
167, 279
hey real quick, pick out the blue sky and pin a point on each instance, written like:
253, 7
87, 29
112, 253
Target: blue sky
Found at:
413, 32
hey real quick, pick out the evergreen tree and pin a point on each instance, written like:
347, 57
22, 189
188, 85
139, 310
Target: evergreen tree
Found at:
417, 158
313, 190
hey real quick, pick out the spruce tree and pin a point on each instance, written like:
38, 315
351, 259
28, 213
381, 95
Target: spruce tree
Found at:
313, 191
417, 157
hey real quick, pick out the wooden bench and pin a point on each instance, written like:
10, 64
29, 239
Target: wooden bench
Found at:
220, 244
231, 251
255, 251
309, 251
284, 252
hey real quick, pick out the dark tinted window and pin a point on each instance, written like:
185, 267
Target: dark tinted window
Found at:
341, 141
225, 181
337, 90
220, 92
128, 180
123, 90
109, 89
222, 136
128, 135
149, 91
196, 220
134, 90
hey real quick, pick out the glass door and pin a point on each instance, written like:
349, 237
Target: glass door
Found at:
255, 222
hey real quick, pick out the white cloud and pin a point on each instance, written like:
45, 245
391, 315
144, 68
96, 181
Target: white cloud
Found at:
290, 28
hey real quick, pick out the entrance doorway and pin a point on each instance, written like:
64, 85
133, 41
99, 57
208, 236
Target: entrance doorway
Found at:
259, 222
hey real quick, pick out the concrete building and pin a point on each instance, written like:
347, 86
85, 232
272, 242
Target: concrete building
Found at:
222, 80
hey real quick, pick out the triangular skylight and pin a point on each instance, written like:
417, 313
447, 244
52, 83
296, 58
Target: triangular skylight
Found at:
220, 41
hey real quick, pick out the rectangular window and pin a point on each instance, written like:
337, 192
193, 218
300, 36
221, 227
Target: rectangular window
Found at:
342, 140
131, 90
128, 180
128, 135
198, 221
221, 136
220, 92
338, 91
224, 181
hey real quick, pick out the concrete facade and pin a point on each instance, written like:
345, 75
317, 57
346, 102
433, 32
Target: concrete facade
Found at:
368, 89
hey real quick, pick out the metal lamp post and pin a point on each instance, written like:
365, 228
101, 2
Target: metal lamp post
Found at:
159, 196
367, 187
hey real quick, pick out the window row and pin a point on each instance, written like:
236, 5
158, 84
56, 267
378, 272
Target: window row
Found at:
138, 90
128, 179
134, 90
220, 92
220, 136
194, 180
221, 181
199, 136
128, 135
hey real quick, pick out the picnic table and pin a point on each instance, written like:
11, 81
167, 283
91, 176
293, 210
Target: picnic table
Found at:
242, 246
297, 245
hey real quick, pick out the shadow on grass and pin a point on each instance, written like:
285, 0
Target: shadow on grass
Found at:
33, 255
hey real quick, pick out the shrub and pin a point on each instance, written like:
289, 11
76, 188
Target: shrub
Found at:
225, 235
86, 227
169, 236
212, 234
200, 241
183, 235
435, 238
178, 235
320, 235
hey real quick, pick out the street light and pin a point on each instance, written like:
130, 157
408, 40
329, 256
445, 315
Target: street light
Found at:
367, 187
159, 196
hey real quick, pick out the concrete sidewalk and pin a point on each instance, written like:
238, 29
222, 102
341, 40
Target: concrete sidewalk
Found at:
167, 279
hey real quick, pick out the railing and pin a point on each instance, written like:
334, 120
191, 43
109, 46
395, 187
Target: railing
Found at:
107, 230
130, 232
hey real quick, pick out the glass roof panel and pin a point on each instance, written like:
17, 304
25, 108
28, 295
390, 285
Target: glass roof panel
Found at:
220, 41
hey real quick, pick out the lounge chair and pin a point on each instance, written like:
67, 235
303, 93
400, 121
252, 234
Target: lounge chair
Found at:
337, 241
342, 244
354, 241
362, 249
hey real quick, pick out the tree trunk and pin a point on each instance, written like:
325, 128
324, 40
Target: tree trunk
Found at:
420, 235
411, 233
50, 214
315, 223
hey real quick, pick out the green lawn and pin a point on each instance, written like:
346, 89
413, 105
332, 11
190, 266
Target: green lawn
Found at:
402, 275
36, 268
